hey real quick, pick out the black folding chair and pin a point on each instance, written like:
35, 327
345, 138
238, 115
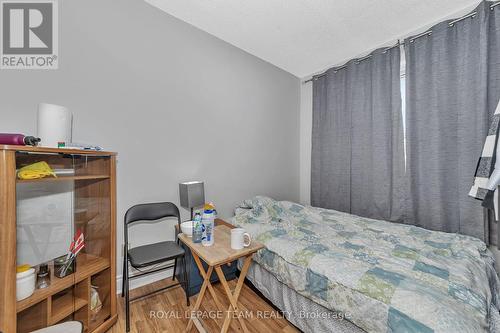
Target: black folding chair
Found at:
145, 256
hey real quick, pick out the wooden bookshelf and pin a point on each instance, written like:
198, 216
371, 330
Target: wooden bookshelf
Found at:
93, 192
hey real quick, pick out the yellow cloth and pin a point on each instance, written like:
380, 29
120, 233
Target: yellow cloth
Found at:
22, 268
35, 171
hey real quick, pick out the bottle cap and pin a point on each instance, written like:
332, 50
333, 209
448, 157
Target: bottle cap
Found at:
209, 206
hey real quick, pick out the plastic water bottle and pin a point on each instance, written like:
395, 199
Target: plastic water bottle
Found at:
197, 228
208, 227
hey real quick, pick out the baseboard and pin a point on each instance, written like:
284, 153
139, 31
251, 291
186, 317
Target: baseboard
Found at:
142, 281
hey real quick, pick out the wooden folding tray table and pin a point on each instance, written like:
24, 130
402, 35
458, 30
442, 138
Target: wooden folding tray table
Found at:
215, 256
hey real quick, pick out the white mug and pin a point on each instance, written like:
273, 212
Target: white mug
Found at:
238, 236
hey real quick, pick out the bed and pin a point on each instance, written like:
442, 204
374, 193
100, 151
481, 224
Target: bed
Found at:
360, 274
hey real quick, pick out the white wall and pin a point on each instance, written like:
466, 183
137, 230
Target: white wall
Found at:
176, 104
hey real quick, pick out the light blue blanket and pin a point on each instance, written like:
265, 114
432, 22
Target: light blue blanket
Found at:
384, 277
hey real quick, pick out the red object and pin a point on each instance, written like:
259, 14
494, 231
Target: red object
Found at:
12, 139
18, 139
78, 244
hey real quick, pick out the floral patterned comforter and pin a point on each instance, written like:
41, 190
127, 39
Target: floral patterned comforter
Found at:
385, 277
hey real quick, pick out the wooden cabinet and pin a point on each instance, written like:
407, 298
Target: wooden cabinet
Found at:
38, 219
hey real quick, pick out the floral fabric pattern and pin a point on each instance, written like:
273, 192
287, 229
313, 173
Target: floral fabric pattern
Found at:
385, 277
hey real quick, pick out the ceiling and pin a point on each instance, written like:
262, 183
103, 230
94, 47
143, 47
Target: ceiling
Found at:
304, 37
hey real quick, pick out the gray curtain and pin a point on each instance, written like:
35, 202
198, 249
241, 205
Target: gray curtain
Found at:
452, 88
357, 141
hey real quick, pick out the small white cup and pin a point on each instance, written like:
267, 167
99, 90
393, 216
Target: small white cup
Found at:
240, 239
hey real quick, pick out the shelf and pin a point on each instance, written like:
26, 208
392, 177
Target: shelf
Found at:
100, 318
31, 149
63, 178
65, 306
86, 266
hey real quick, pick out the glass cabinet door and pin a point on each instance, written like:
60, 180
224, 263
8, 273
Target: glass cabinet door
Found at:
74, 197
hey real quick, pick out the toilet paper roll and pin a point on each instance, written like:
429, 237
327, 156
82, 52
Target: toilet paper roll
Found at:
55, 124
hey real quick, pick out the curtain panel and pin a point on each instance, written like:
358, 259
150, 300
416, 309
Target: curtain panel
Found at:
357, 138
452, 89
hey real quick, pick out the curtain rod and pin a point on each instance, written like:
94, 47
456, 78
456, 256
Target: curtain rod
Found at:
423, 34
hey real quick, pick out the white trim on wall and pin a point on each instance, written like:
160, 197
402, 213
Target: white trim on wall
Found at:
305, 142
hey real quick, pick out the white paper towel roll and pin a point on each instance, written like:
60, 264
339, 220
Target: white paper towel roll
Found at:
54, 124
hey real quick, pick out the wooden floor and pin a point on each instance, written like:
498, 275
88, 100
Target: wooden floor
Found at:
166, 312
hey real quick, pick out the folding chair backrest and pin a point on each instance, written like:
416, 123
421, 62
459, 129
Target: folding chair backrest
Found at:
152, 211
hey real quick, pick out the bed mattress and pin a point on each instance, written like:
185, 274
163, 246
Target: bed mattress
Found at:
381, 276
305, 314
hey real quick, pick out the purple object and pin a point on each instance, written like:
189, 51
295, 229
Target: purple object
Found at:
18, 139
